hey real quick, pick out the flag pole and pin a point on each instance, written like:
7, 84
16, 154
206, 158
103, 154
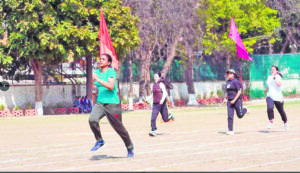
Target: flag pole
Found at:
106, 46
241, 77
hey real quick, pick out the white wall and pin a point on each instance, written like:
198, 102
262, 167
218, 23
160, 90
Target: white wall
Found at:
287, 85
62, 94
52, 95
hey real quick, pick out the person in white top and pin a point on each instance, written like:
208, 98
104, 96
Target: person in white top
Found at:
274, 97
159, 95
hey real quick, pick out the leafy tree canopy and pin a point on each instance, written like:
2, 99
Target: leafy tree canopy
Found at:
255, 21
53, 31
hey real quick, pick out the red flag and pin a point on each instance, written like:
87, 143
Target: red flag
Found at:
235, 36
106, 45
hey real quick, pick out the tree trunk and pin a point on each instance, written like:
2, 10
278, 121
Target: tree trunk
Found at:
147, 85
89, 71
37, 69
130, 99
145, 64
270, 48
287, 41
284, 46
228, 61
171, 54
119, 90
189, 79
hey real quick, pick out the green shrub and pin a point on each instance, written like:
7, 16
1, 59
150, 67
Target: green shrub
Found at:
247, 92
198, 96
124, 101
59, 105
29, 105
212, 94
257, 93
16, 108
285, 93
288, 93
220, 93
204, 96
2, 107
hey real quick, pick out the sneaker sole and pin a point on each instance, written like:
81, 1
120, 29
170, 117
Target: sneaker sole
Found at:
150, 134
98, 148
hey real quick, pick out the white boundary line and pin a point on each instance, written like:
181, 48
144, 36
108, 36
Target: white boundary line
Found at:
170, 156
157, 144
264, 164
217, 159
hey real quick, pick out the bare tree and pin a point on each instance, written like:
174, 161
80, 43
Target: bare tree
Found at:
149, 30
289, 12
163, 25
175, 18
185, 29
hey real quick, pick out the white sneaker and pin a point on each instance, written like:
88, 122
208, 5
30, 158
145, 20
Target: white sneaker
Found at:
248, 110
269, 125
286, 127
171, 117
230, 133
153, 133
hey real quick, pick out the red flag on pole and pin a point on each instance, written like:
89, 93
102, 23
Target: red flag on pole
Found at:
106, 45
235, 36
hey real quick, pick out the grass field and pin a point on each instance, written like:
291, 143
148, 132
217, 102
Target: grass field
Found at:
195, 141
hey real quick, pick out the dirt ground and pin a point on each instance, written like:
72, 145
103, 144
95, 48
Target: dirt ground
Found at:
195, 141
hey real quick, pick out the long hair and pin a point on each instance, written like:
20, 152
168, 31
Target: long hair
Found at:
236, 76
109, 58
159, 74
277, 69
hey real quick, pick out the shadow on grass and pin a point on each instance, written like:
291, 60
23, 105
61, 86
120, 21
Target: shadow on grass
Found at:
158, 134
268, 131
236, 133
101, 157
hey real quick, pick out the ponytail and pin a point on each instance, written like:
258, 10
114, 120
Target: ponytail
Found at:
277, 70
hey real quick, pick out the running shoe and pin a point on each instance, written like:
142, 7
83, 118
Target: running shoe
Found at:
153, 133
230, 133
286, 127
269, 125
98, 145
130, 153
171, 117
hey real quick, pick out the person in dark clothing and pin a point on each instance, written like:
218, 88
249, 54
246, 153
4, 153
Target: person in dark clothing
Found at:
82, 104
87, 104
234, 100
159, 95
77, 102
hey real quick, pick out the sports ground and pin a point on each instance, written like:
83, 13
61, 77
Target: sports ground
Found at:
195, 141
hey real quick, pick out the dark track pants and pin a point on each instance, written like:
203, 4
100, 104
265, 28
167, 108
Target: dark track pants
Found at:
279, 107
113, 113
162, 108
237, 106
